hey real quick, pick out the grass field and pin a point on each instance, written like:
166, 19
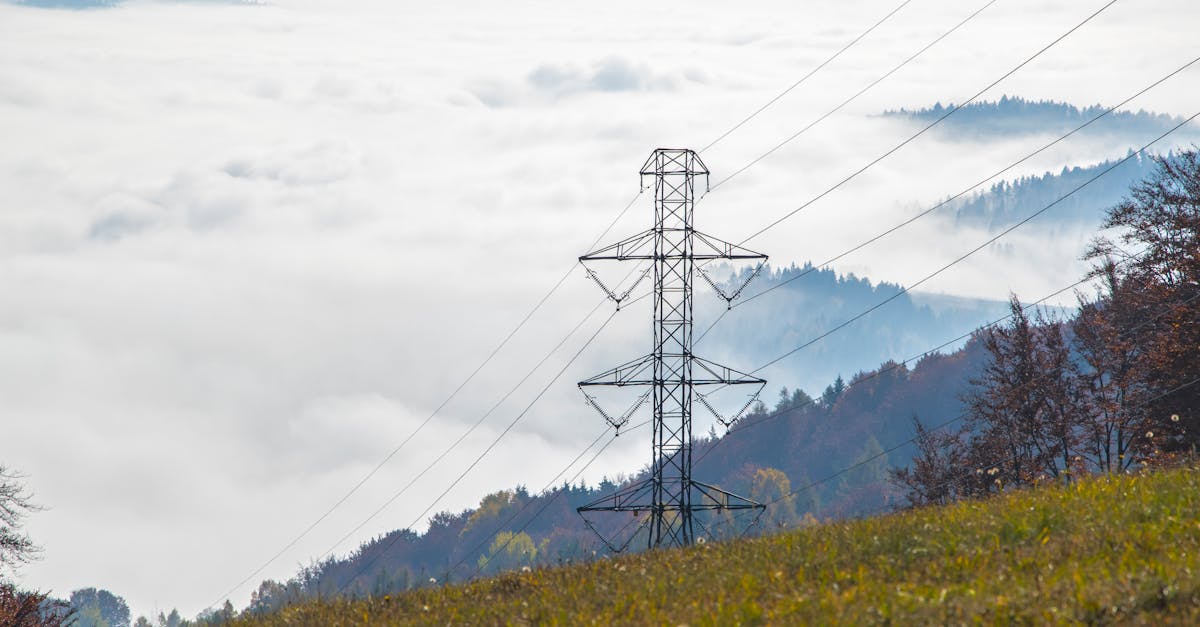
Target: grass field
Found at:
1122, 550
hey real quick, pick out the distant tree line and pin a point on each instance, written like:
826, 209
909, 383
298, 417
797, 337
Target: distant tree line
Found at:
1010, 116
1007, 202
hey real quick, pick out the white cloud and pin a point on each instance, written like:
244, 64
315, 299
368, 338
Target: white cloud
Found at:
550, 82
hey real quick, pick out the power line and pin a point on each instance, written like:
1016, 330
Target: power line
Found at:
941, 426
806, 76
952, 198
547, 500
949, 112
978, 184
860, 92
466, 433
746, 426
896, 365
487, 450
1138, 406
1028, 218
901, 364
454, 394
905, 290
913, 137
985, 244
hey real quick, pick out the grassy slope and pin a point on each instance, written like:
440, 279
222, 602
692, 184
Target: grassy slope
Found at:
1122, 549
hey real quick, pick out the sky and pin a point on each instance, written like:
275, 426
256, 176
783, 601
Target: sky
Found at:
247, 248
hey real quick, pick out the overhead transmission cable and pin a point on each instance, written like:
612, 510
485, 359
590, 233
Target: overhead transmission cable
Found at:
547, 499
862, 91
991, 240
950, 199
806, 76
744, 426
872, 458
950, 111
487, 450
1009, 167
985, 244
453, 394
1135, 436
465, 434
896, 365
504, 398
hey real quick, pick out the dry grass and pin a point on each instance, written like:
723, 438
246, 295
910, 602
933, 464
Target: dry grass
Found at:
1105, 550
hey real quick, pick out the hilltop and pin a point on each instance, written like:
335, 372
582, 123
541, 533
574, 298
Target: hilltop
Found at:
1011, 116
1119, 548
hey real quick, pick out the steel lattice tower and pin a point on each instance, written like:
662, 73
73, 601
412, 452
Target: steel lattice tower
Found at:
672, 373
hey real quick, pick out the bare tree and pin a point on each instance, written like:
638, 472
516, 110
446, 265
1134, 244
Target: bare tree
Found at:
1155, 301
936, 476
1023, 411
1111, 352
16, 547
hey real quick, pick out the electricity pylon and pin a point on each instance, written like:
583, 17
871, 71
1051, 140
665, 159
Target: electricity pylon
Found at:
670, 496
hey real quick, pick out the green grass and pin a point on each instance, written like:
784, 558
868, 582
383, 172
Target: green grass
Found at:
1106, 550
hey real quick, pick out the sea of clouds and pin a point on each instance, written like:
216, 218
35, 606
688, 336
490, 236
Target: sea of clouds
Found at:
247, 248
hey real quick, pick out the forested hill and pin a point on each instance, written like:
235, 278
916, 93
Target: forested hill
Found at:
805, 302
812, 424
785, 446
1009, 202
1011, 116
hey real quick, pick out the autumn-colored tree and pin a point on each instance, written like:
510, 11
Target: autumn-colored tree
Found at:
509, 550
772, 486
19, 608
1024, 409
1110, 352
1112, 389
1160, 283
936, 476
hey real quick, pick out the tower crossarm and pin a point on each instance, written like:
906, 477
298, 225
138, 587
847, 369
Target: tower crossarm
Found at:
635, 247
720, 375
709, 247
640, 371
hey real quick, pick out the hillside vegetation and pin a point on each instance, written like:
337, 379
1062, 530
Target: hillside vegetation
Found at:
1119, 548
1011, 116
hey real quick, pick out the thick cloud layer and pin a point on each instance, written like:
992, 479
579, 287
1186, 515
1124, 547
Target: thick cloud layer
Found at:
246, 250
